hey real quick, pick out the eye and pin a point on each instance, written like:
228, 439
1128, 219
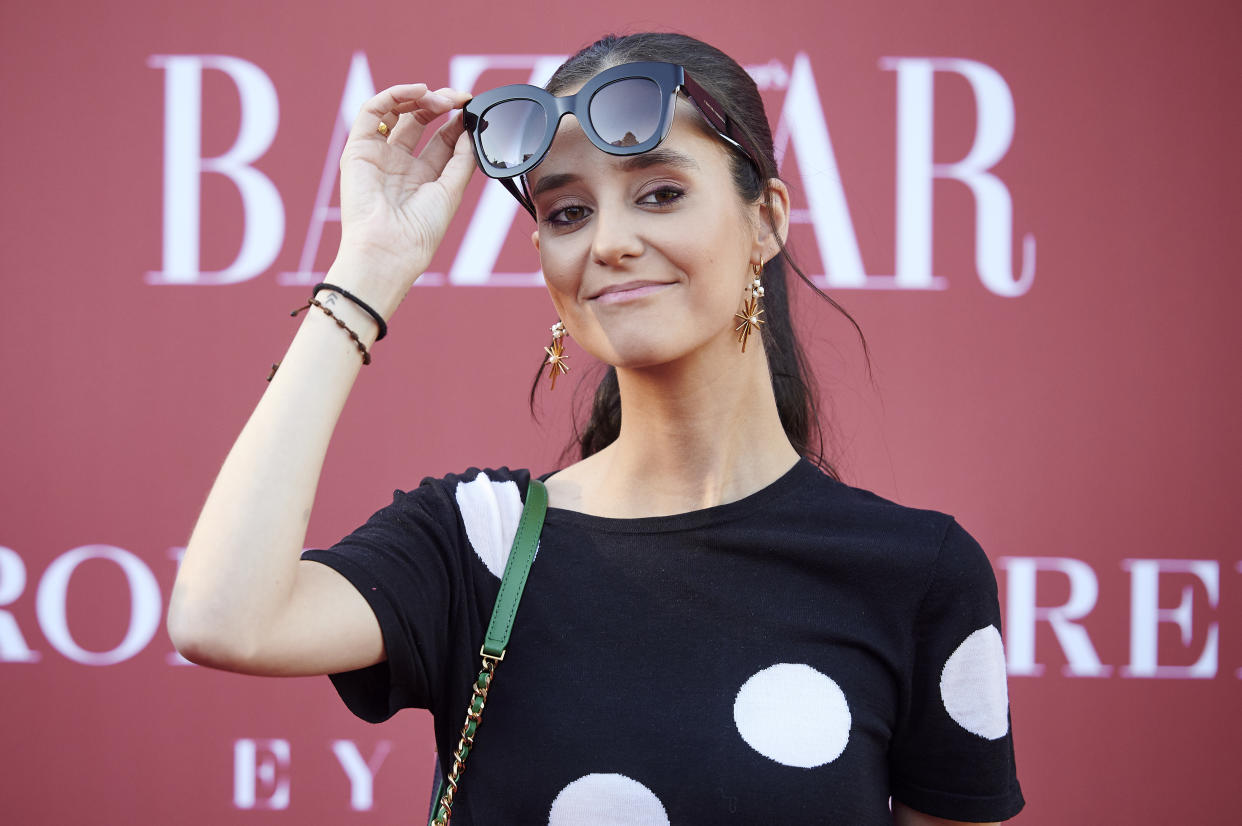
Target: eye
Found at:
567, 215
662, 196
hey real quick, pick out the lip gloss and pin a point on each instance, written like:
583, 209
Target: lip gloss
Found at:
620, 296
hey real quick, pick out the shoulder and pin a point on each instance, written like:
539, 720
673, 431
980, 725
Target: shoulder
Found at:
931, 545
871, 517
470, 485
446, 505
478, 508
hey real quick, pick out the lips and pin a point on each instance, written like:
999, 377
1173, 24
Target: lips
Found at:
627, 290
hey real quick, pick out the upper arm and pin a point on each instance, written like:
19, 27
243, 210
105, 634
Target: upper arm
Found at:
326, 626
903, 815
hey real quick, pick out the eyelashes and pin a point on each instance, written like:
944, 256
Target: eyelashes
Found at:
566, 215
674, 193
571, 214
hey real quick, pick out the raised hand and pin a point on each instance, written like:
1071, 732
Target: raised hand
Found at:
396, 205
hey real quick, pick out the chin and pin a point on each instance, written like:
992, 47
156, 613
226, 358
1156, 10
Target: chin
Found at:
639, 358
648, 354
649, 344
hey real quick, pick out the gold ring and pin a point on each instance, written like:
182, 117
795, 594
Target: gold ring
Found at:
382, 129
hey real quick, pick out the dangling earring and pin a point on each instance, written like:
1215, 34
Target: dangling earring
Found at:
749, 317
556, 352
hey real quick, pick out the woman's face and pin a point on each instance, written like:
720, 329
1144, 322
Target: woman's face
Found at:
646, 256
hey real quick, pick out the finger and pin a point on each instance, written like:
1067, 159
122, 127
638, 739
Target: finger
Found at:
456, 100
441, 145
381, 108
457, 171
406, 133
413, 121
409, 129
387, 106
458, 97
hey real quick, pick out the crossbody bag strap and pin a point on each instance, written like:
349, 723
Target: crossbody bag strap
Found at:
521, 555
525, 543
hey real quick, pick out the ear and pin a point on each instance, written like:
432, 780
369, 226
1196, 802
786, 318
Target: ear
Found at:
534, 239
773, 215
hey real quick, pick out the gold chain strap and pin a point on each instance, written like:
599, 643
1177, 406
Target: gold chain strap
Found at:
474, 713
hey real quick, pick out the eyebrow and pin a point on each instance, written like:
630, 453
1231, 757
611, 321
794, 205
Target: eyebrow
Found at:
632, 163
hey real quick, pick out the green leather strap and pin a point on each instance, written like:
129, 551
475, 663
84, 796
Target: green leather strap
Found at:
516, 569
521, 555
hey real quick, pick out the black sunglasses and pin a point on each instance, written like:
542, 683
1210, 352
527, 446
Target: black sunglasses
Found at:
624, 110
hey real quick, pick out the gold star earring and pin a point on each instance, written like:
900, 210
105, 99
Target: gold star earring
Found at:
556, 353
749, 316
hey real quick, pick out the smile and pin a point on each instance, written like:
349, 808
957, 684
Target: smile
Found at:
629, 291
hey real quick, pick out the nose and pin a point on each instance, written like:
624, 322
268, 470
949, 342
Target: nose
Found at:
616, 236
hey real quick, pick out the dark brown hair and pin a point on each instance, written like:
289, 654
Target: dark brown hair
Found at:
726, 81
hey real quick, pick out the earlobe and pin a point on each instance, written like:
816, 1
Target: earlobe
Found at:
534, 239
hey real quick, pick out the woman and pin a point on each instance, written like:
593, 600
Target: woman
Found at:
714, 629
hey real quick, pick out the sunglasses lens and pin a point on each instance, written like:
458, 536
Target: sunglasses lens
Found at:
627, 112
511, 131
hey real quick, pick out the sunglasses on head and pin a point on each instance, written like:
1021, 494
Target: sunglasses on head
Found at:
624, 110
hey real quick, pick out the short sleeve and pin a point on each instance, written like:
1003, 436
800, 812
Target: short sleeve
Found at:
404, 562
952, 754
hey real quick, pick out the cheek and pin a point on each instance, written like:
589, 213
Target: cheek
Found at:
562, 277
717, 262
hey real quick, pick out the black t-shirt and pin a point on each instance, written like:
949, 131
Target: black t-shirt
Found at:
798, 655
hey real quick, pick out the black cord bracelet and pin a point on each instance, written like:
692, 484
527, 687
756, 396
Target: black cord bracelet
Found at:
379, 320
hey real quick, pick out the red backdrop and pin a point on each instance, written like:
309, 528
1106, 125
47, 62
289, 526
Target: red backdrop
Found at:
1026, 205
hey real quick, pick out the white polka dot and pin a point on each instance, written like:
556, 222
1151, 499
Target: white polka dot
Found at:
490, 511
973, 686
607, 800
794, 715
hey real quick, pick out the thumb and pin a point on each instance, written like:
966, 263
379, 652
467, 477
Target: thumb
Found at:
456, 173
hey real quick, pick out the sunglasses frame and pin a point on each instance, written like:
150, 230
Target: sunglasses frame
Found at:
668, 77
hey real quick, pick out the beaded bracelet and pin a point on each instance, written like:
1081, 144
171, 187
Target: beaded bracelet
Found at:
314, 302
379, 319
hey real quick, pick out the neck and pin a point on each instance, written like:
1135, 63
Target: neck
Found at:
693, 435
